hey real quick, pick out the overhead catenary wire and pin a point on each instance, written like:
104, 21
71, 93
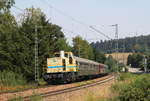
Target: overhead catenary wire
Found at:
77, 21
18, 8
100, 32
91, 28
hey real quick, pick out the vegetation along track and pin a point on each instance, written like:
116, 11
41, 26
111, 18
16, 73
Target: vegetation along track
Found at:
57, 92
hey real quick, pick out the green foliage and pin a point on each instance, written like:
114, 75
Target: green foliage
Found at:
17, 42
148, 62
112, 64
82, 48
130, 44
136, 89
9, 78
136, 60
5, 5
99, 56
125, 76
63, 45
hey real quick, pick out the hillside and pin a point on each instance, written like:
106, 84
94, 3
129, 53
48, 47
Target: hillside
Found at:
121, 57
130, 44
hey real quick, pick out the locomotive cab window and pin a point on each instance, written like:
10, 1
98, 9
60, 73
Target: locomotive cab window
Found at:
66, 55
57, 55
70, 60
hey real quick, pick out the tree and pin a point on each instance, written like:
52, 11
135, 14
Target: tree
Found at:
17, 42
136, 47
50, 39
8, 38
82, 48
5, 5
111, 63
129, 44
136, 60
99, 56
63, 45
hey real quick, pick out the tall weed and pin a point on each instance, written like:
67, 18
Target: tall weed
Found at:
9, 78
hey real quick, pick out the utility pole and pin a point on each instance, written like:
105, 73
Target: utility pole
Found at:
36, 53
145, 64
36, 56
116, 45
79, 48
124, 52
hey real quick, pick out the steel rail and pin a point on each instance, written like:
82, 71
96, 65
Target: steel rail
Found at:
66, 90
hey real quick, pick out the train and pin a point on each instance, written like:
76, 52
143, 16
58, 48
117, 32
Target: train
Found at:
65, 67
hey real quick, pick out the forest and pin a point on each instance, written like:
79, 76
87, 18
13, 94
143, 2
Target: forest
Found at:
17, 43
139, 46
129, 44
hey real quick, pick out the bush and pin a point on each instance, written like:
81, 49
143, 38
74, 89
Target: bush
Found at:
9, 78
137, 89
112, 64
125, 76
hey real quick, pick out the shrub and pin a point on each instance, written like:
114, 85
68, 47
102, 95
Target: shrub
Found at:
136, 90
125, 76
9, 78
132, 94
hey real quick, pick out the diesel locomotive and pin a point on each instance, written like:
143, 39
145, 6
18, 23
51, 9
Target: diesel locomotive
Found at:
65, 67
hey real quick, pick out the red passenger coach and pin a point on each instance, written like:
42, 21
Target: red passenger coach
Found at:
101, 68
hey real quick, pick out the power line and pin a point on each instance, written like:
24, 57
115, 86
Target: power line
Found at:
64, 14
77, 21
18, 8
100, 32
91, 28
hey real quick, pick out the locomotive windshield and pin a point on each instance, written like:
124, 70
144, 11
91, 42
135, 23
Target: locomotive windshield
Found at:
58, 55
66, 55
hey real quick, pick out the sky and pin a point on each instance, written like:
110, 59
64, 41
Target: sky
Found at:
75, 16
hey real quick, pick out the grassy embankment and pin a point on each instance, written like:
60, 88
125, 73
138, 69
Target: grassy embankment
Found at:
130, 87
9, 82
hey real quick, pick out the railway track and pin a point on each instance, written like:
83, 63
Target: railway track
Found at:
66, 90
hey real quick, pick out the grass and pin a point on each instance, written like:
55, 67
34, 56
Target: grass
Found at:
129, 87
12, 82
84, 82
9, 78
34, 97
